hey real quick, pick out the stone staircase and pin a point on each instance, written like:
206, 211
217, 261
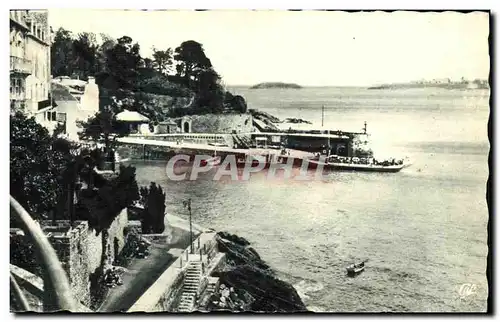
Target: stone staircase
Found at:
190, 287
213, 285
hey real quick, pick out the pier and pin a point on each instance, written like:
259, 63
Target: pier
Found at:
189, 147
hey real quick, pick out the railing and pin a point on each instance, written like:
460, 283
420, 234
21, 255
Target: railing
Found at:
20, 65
57, 291
204, 253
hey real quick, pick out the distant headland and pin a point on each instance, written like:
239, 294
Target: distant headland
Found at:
438, 83
275, 85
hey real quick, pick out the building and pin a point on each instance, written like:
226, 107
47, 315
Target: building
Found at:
73, 100
136, 122
30, 64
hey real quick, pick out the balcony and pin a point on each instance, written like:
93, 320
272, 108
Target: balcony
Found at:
19, 65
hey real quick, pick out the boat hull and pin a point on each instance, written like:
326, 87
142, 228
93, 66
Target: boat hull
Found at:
355, 271
355, 167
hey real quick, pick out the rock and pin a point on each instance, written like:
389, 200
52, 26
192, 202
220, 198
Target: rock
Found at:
247, 278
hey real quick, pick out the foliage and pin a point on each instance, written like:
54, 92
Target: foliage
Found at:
62, 56
100, 206
78, 56
150, 81
103, 127
210, 93
23, 254
237, 103
85, 49
37, 162
191, 60
162, 60
122, 62
153, 216
117, 65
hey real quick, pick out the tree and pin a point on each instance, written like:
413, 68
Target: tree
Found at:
192, 59
37, 162
122, 62
239, 104
163, 60
210, 93
107, 43
74, 56
85, 50
61, 53
102, 205
103, 127
153, 216
148, 63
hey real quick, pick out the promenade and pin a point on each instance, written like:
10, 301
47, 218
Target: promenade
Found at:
142, 273
211, 148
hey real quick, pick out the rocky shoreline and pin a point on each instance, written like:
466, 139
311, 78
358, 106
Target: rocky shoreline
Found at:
247, 283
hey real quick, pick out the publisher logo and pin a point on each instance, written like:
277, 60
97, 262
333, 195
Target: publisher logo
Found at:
467, 289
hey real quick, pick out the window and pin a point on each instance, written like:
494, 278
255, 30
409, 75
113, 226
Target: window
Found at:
51, 116
17, 84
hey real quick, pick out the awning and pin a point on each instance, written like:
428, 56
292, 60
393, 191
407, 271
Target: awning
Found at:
261, 138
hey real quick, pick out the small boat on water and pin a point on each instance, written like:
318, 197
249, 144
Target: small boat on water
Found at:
354, 269
358, 164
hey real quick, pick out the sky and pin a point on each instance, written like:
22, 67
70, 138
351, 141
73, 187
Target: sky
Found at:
310, 48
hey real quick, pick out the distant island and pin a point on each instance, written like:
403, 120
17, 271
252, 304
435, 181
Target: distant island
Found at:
276, 85
438, 83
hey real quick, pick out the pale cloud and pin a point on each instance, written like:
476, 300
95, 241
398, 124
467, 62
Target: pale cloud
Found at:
310, 47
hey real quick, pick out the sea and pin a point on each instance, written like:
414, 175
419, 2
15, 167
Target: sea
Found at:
422, 231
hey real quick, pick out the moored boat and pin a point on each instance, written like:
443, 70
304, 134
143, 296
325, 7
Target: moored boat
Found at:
358, 164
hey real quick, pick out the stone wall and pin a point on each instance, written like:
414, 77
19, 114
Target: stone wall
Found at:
116, 235
216, 123
80, 250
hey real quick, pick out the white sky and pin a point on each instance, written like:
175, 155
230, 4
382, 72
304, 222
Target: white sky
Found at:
311, 48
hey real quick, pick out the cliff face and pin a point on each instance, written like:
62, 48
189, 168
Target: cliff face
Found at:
248, 283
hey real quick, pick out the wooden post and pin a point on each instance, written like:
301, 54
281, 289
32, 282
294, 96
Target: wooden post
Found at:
200, 256
199, 243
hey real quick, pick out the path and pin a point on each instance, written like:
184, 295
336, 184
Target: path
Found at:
140, 275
